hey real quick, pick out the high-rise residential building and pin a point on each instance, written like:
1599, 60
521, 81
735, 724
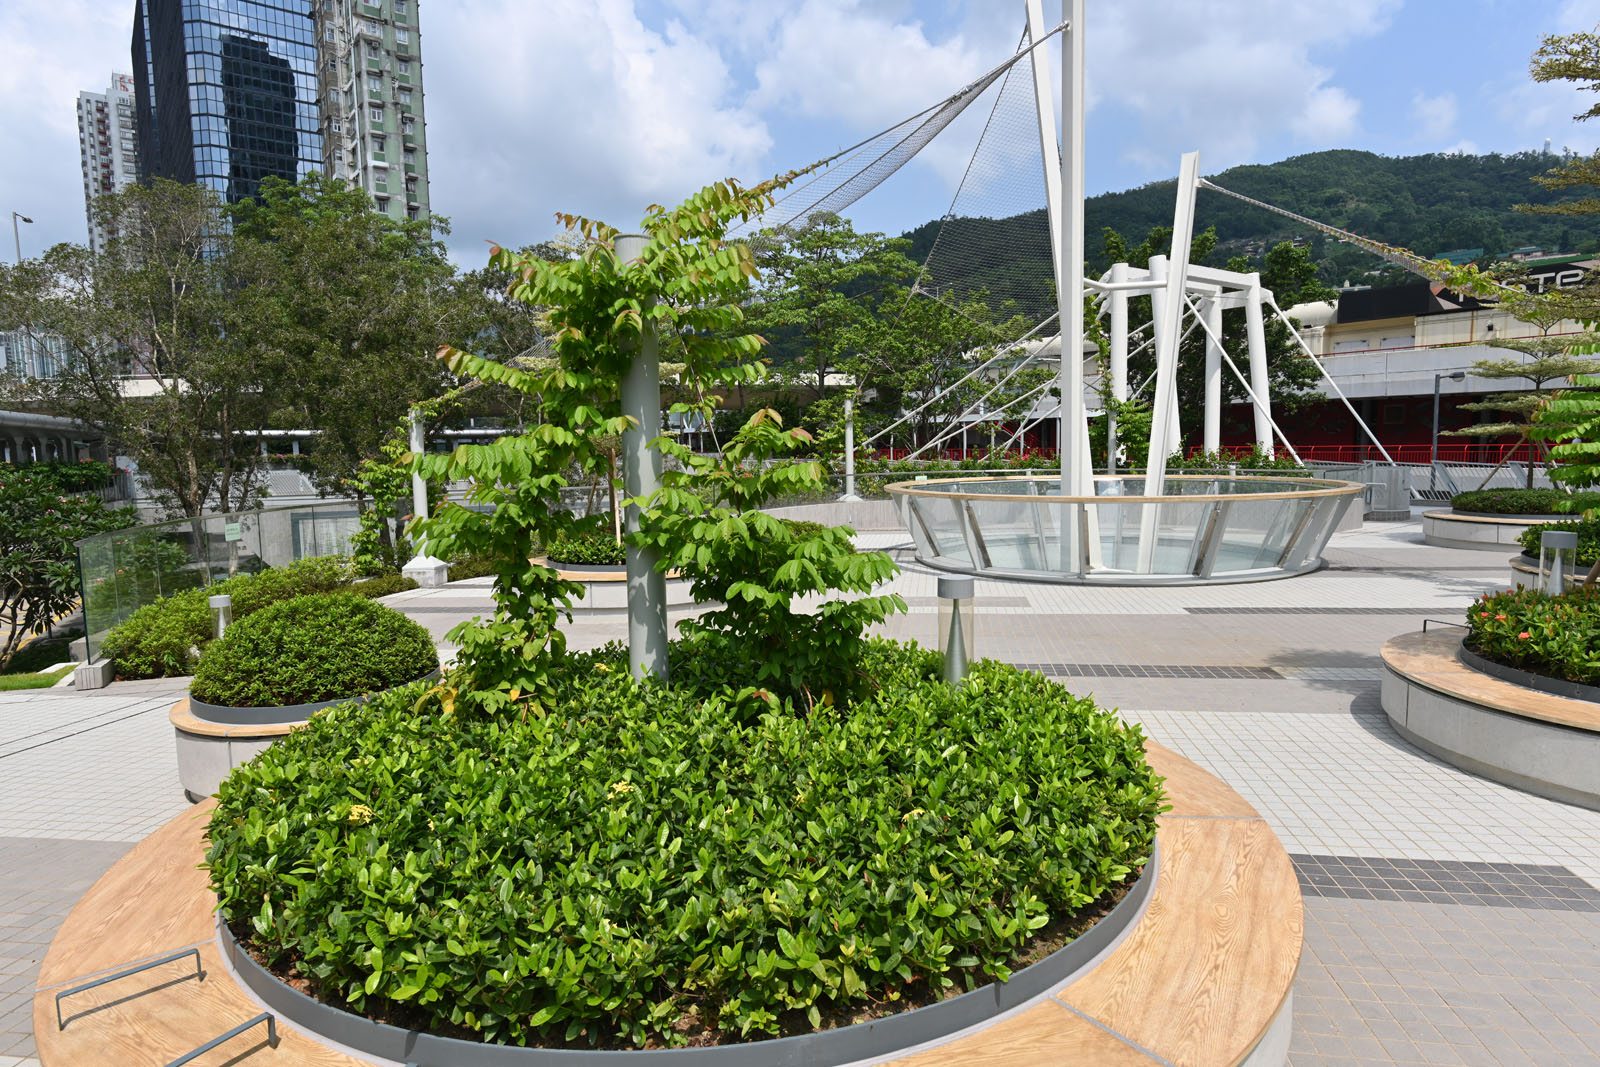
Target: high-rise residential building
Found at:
107, 147
370, 83
226, 92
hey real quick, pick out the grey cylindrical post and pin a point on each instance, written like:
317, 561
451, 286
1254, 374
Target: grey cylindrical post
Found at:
849, 451
641, 476
957, 593
221, 611
1558, 543
419, 488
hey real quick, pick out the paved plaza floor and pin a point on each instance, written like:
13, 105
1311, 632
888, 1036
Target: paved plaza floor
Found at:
1449, 920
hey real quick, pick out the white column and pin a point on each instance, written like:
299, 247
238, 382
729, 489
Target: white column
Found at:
641, 476
1119, 357
1167, 326
1256, 341
429, 571
1211, 307
850, 451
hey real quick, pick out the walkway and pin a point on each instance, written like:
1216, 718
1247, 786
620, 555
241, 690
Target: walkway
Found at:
1450, 920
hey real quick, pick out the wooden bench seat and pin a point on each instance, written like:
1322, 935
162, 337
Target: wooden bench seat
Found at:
1201, 979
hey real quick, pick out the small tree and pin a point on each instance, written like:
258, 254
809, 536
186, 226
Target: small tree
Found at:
39, 521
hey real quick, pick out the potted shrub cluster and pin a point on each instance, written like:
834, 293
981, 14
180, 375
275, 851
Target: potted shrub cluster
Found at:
1539, 502
296, 656
1551, 637
798, 829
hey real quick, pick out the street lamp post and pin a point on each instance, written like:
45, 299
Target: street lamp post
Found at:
1433, 450
27, 331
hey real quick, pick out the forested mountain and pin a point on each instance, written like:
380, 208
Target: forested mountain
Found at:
1429, 204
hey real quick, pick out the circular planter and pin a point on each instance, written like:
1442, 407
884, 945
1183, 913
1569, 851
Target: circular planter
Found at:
605, 586
848, 1044
1542, 682
213, 739
1475, 530
1527, 737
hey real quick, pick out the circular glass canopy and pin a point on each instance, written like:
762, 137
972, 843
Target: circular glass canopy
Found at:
1201, 529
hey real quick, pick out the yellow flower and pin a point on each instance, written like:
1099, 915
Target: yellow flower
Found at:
621, 787
360, 814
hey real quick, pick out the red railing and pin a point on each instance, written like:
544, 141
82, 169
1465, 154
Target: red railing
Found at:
1451, 452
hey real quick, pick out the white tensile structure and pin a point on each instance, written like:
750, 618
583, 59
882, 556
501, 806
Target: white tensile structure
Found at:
1149, 528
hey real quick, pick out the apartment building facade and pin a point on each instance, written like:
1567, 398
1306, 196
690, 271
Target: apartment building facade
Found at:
107, 148
370, 92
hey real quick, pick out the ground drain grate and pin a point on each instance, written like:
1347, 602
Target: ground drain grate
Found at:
1317, 611
1534, 886
1148, 670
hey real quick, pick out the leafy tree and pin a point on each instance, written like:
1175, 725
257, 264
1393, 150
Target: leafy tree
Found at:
1572, 57
687, 283
176, 295
41, 516
365, 300
821, 280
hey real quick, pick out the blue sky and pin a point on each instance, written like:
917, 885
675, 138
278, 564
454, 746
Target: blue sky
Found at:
603, 106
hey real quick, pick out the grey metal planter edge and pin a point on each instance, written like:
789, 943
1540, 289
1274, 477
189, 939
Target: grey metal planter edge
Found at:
1556, 686
265, 716
826, 1048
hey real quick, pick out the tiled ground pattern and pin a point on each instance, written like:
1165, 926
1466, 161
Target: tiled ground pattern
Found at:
1273, 687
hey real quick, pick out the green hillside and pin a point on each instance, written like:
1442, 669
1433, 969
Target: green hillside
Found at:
1428, 204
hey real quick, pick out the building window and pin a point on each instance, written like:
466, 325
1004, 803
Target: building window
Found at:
376, 113
403, 66
378, 143
411, 155
405, 96
375, 83
372, 50
402, 36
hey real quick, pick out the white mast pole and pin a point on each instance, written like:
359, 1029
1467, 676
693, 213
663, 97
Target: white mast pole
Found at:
1211, 310
1256, 341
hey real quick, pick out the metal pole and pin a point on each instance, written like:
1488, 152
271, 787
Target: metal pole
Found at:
849, 451
1211, 314
641, 476
1256, 346
419, 488
1433, 447
429, 572
27, 328
1119, 359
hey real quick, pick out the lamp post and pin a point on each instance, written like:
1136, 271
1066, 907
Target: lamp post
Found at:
1433, 450
27, 330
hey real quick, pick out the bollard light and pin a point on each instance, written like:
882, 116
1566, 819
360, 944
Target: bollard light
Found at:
1558, 552
955, 626
221, 611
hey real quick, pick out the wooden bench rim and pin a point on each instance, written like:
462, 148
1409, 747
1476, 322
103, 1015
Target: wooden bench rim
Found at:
1250, 922
1431, 661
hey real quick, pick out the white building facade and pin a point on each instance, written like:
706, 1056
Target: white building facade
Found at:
107, 151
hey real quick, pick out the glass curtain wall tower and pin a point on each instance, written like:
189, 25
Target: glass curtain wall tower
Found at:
226, 92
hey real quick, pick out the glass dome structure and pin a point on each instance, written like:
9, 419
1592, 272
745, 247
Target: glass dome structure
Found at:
1202, 529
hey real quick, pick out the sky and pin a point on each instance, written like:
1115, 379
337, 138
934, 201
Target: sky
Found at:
602, 107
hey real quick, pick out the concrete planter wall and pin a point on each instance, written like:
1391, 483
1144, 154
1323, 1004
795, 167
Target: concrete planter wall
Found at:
1531, 739
1525, 574
1465, 529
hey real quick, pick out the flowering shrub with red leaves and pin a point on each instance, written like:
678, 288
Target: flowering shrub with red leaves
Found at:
1557, 636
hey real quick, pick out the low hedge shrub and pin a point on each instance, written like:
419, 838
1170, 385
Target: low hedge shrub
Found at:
163, 638
383, 585
470, 567
310, 648
595, 549
646, 865
1557, 636
1525, 502
1588, 531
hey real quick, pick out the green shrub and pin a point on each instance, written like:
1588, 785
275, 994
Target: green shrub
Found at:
163, 638
1556, 636
639, 856
470, 567
1588, 531
383, 585
597, 548
309, 648
1525, 501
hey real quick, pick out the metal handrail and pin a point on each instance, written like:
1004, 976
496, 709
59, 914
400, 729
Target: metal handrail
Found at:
199, 973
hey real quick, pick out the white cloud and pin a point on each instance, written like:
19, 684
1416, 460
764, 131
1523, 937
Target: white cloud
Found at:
1330, 117
1435, 116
